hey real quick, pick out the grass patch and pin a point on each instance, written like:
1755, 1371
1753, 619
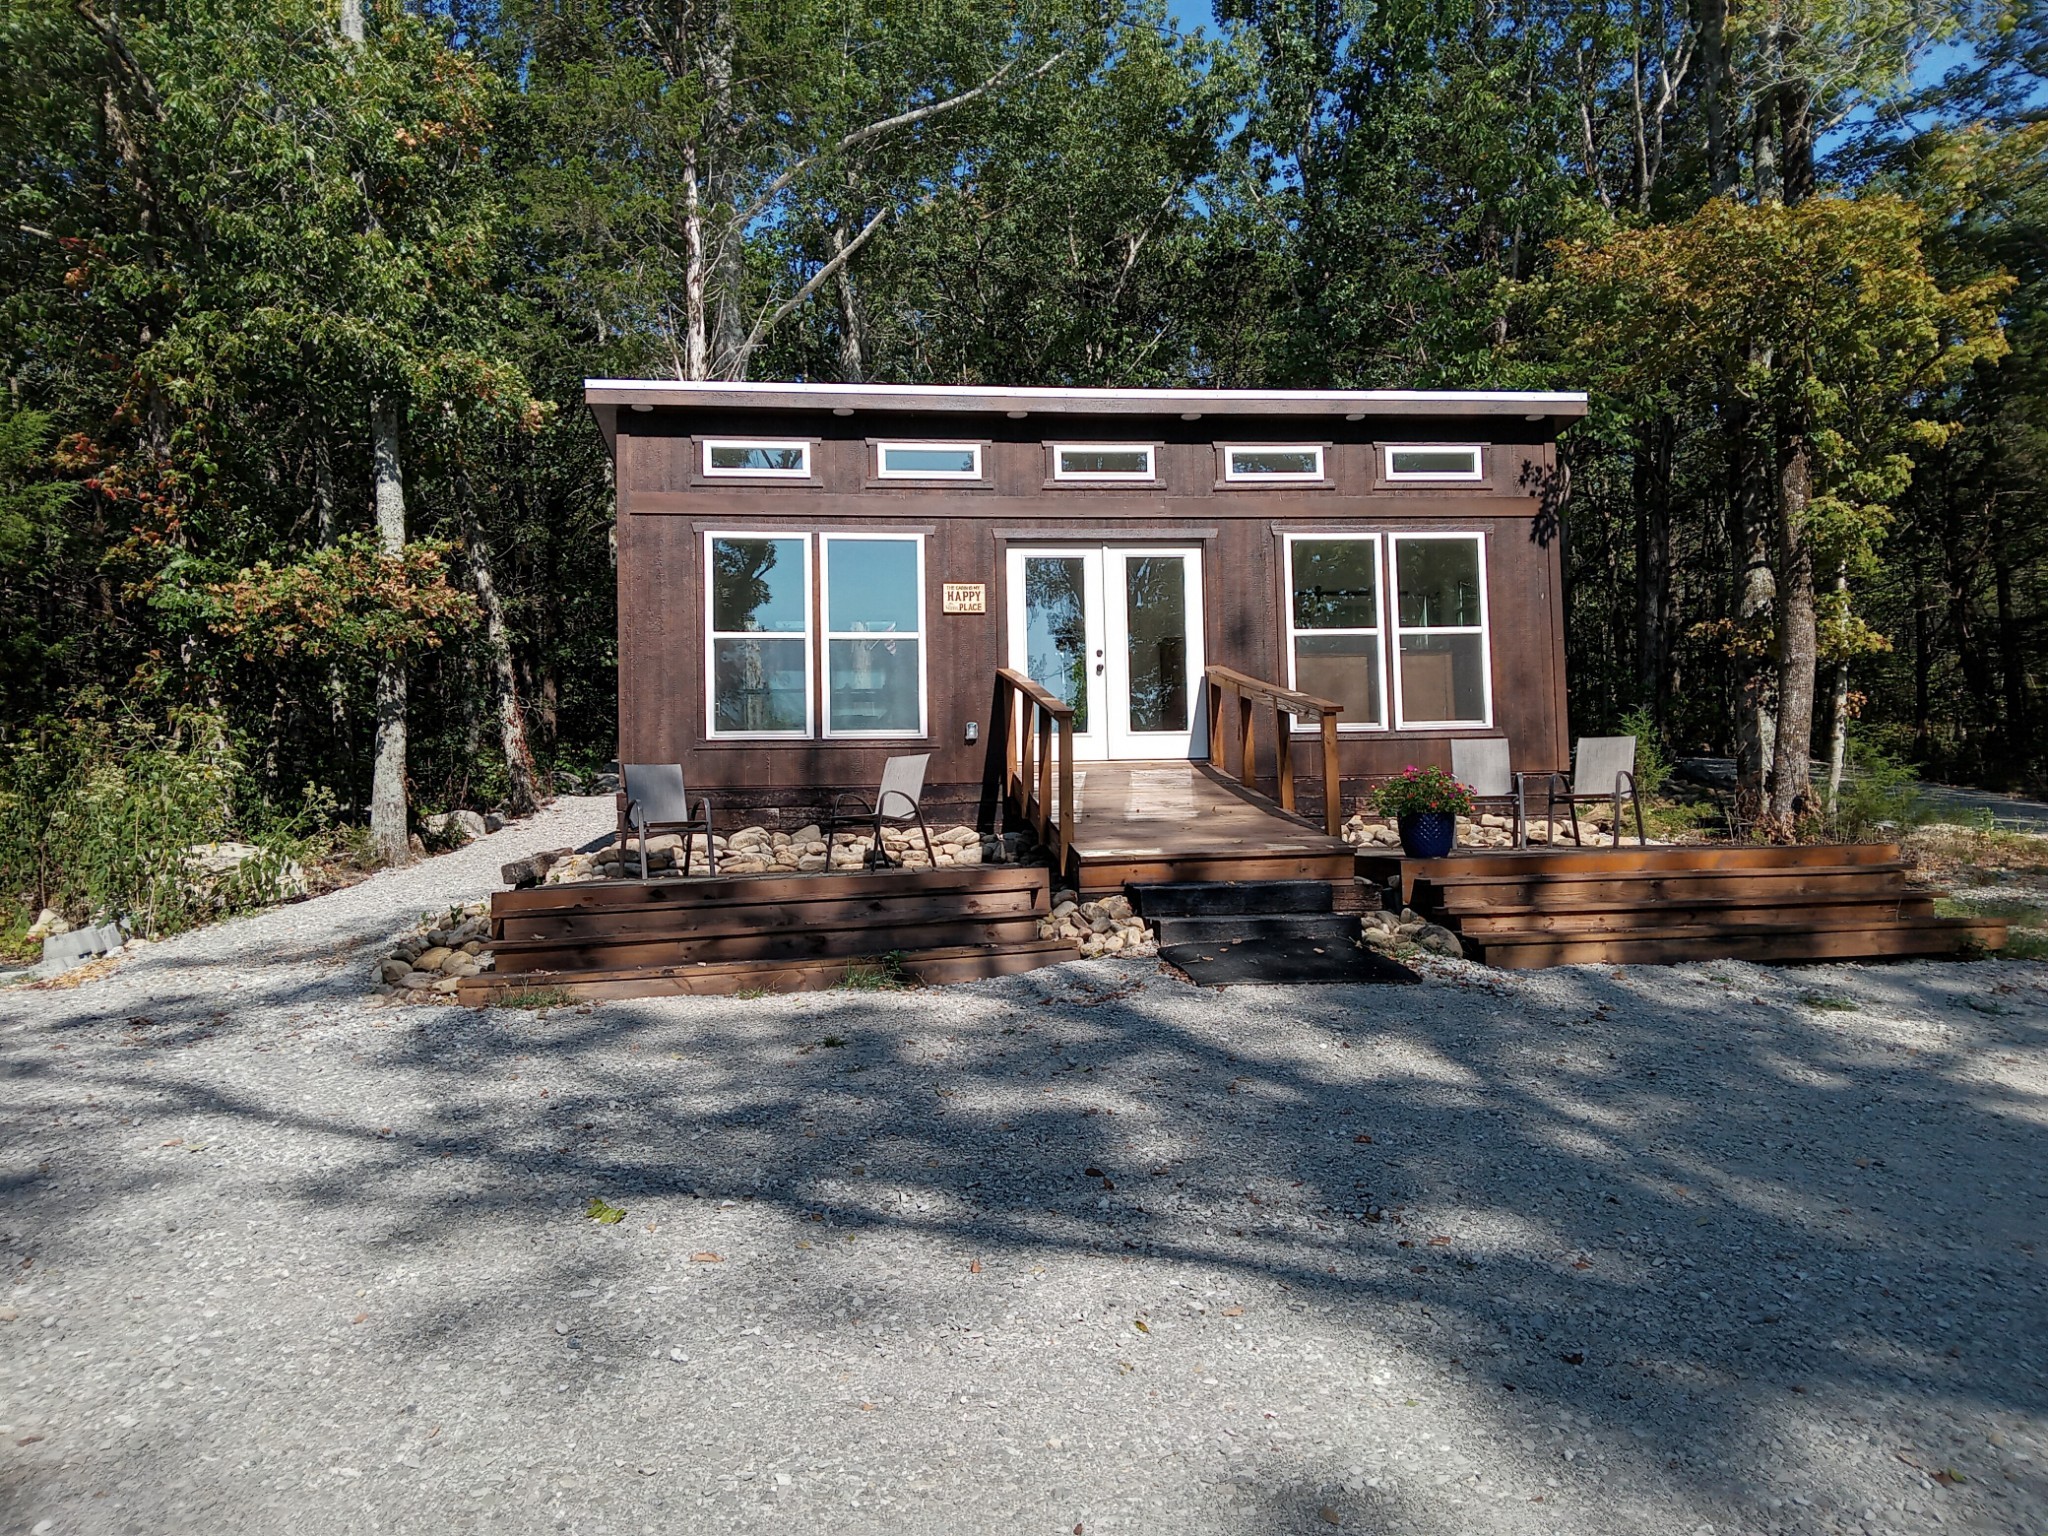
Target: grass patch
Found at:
531, 998
884, 973
1824, 1003
750, 994
2025, 944
2008, 909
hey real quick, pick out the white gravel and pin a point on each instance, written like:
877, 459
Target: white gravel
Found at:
1657, 1250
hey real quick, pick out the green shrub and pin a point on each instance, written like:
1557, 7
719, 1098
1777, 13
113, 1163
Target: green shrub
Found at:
97, 815
1879, 798
1653, 764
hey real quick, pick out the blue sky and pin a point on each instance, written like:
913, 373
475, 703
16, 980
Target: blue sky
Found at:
1191, 14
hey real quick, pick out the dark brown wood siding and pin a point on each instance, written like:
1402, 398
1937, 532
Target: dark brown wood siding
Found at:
666, 506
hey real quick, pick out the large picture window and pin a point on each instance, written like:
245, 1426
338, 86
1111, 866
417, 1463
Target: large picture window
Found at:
874, 634
757, 607
1371, 615
1333, 623
1441, 674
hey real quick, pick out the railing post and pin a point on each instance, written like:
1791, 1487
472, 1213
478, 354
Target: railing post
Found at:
1333, 781
1066, 803
1214, 690
1283, 755
1247, 749
1045, 740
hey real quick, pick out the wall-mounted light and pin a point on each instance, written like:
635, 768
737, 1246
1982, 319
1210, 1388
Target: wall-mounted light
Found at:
643, 407
1017, 415
842, 410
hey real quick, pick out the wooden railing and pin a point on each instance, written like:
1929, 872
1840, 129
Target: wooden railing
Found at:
1038, 760
1287, 705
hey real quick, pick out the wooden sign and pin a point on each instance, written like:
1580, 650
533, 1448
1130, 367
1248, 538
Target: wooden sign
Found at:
964, 597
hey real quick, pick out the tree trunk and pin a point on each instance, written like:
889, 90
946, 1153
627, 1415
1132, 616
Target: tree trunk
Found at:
1797, 648
696, 363
1716, 88
852, 358
1838, 712
2016, 734
1756, 592
1923, 639
521, 798
388, 829
1653, 565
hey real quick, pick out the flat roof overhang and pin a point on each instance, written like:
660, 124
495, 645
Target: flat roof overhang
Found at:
1351, 404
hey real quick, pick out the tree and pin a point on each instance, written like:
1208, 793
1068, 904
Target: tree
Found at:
1825, 321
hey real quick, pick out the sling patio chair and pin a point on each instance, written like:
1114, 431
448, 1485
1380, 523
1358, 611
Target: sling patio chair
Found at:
1481, 765
1603, 767
657, 802
897, 800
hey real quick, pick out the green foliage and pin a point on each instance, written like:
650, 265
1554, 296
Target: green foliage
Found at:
344, 599
881, 973
1880, 799
1653, 763
98, 817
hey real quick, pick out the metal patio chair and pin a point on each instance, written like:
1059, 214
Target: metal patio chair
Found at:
657, 802
1603, 767
898, 799
1481, 765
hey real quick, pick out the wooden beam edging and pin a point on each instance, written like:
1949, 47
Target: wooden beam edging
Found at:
1287, 704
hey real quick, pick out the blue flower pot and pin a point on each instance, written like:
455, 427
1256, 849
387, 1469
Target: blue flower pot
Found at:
1428, 835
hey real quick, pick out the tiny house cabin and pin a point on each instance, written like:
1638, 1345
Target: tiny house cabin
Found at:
816, 577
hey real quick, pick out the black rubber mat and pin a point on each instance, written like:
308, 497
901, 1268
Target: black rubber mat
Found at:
1282, 962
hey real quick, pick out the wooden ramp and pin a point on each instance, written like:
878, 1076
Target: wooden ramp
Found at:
1167, 822
1540, 907
783, 932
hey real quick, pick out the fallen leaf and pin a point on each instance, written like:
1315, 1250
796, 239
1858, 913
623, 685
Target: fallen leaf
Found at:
1949, 1477
1329, 1516
1093, 1173
1439, 1242
974, 1268
604, 1215
1232, 1312
867, 1407
706, 1257
1582, 1263
360, 1317
28, 1439
1139, 1324
1573, 1357
1363, 1141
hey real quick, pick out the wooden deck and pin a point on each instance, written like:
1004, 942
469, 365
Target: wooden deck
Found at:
782, 932
1539, 907
1150, 823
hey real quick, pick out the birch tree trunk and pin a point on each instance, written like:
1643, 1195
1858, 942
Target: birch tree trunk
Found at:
388, 830
1756, 595
1797, 643
1838, 715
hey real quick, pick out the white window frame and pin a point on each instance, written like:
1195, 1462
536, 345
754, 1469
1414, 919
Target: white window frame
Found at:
808, 636
1483, 629
1379, 634
801, 472
884, 472
1477, 472
827, 634
1234, 476
1129, 476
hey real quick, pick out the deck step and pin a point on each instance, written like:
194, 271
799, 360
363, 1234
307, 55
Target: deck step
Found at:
1334, 927
1230, 898
932, 967
1670, 946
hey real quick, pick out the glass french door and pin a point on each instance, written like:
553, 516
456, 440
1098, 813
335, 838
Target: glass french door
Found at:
1116, 631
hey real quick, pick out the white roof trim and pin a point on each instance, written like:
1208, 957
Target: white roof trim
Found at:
978, 398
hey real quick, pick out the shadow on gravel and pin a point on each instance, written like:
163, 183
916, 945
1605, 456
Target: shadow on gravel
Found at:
1670, 1224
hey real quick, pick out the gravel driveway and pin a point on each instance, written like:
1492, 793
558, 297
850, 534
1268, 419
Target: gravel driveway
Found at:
1710, 1248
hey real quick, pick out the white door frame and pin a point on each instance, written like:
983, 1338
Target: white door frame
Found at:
1107, 640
